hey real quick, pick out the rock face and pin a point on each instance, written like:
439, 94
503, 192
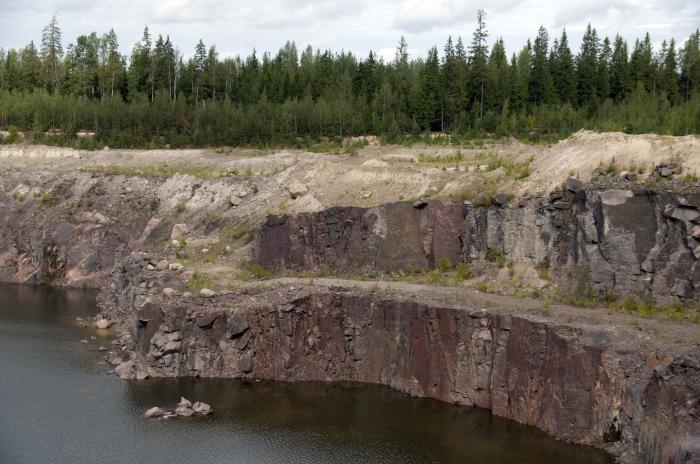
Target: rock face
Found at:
612, 241
582, 383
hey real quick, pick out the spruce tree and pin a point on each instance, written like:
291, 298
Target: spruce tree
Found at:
690, 66
620, 84
478, 62
51, 54
668, 75
564, 70
430, 92
587, 68
604, 70
540, 84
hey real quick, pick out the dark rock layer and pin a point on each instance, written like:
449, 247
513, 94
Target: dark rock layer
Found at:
612, 241
588, 384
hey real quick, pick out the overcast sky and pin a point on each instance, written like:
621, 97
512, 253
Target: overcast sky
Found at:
237, 26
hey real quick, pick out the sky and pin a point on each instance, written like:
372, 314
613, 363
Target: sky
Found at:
238, 26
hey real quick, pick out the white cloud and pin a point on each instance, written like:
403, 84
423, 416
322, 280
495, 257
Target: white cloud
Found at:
237, 26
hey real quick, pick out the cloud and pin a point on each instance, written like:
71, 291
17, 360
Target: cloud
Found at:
238, 26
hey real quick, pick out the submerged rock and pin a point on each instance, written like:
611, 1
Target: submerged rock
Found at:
154, 412
103, 324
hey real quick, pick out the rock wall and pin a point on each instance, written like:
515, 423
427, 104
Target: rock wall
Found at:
69, 229
579, 383
617, 241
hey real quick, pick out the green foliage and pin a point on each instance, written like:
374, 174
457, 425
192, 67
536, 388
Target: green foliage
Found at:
494, 255
462, 272
49, 199
445, 265
257, 271
13, 135
315, 99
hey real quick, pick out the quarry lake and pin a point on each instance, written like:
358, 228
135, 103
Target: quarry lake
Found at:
58, 404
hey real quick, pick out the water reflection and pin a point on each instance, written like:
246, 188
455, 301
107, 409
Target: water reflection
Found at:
58, 405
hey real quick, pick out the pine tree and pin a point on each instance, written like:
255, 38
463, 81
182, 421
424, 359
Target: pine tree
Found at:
51, 54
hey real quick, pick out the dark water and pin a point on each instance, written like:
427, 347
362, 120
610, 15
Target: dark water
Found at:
58, 405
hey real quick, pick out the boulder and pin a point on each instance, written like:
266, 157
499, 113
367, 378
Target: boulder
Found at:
201, 408
574, 185
179, 231
206, 320
237, 324
162, 265
184, 411
684, 213
500, 200
628, 176
103, 324
235, 200
175, 266
154, 412
125, 370
207, 293
297, 189
696, 232
184, 402
167, 291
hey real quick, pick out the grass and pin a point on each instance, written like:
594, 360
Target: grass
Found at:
164, 170
494, 255
200, 280
445, 159
337, 148
257, 271
49, 199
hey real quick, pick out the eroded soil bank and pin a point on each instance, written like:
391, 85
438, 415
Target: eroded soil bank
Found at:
151, 240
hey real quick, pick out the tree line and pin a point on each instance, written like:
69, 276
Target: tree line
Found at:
156, 96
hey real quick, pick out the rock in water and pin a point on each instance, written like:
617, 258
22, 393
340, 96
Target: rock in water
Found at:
155, 412
201, 408
103, 324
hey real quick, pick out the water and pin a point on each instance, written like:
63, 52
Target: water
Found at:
58, 405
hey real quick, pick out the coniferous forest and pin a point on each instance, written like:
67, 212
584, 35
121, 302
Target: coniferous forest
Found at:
157, 97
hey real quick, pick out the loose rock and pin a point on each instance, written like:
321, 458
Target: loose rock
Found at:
207, 293
297, 189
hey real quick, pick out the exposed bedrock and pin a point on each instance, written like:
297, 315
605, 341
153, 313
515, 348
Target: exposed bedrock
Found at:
616, 241
586, 383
